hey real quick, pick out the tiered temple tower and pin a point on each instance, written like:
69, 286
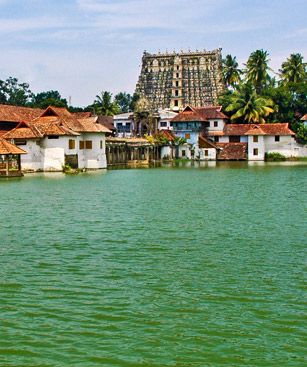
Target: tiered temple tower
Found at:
174, 80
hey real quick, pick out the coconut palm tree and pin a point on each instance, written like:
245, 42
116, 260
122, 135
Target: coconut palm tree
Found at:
104, 105
293, 70
248, 107
231, 71
257, 69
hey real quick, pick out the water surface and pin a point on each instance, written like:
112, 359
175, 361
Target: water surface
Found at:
171, 266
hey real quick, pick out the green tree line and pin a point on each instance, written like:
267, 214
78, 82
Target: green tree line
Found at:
258, 94
19, 94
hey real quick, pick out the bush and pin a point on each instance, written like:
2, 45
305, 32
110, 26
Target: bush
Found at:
301, 134
273, 157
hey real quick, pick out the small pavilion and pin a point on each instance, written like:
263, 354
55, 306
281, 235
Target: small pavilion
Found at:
10, 163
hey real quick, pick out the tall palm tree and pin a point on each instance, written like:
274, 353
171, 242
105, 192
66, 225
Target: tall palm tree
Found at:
293, 70
257, 69
231, 71
105, 106
248, 107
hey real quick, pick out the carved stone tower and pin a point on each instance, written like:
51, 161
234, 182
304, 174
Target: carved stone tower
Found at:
172, 81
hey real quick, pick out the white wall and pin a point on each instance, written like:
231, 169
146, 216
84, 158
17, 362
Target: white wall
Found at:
219, 127
256, 145
94, 158
211, 154
33, 160
167, 151
286, 146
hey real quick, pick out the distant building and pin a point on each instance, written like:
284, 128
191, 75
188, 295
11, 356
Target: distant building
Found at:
207, 128
175, 80
58, 137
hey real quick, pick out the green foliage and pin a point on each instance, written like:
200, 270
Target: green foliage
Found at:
248, 107
15, 93
273, 157
49, 98
231, 71
257, 70
124, 100
161, 139
105, 105
179, 141
293, 70
134, 101
301, 134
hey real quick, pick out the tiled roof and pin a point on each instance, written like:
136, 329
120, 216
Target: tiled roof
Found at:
18, 114
82, 115
216, 133
304, 118
200, 114
107, 121
9, 148
168, 134
23, 131
205, 143
232, 151
90, 124
253, 129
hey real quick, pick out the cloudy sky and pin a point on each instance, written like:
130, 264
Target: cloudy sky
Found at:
81, 47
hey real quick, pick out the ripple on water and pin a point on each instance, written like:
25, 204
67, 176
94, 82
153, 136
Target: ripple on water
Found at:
163, 267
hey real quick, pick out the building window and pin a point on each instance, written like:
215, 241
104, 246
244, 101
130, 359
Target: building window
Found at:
53, 137
177, 67
176, 93
101, 144
255, 151
81, 144
216, 139
71, 144
215, 124
177, 84
206, 152
277, 137
20, 142
234, 139
163, 124
255, 138
88, 144
187, 135
176, 102
177, 75
171, 124
183, 153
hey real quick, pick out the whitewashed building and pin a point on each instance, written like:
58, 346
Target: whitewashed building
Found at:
58, 138
208, 129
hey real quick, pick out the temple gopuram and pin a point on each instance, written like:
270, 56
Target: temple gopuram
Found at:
174, 80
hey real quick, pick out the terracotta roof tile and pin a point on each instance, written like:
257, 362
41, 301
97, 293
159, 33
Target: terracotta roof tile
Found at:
23, 131
199, 114
9, 148
205, 143
18, 114
266, 129
304, 118
232, 151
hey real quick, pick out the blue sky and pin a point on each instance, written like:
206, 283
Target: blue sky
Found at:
81, 47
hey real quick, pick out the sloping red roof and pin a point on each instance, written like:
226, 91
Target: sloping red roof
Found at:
199, 114
304, 118
253, 129
18, 114
106, 121
205, 143
82, 115
90, 124
23, 130
9, 148
232, 151
168, 134
277, 129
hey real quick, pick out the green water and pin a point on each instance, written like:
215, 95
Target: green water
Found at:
154, 267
